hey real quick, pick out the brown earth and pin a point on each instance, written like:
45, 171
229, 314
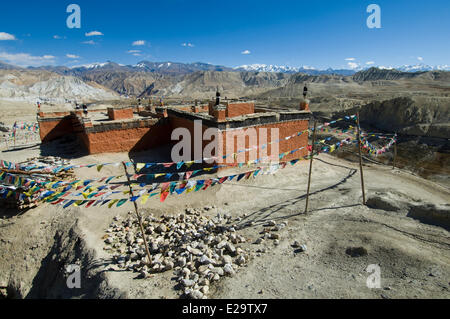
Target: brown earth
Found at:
414, 257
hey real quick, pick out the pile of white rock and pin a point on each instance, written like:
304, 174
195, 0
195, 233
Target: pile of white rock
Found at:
199, 250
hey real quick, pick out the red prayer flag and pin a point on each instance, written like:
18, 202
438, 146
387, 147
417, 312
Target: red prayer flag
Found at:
164, 196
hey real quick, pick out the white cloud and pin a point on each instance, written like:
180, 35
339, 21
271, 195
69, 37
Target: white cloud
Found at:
350, 59
370, 63
138, 43
419, 58
72, 56
93, 33
246, 52
25, 59
190, 45
135, 52
352, 65
6, 36
57, 37
89, 42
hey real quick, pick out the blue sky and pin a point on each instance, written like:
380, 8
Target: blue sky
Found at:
317, 33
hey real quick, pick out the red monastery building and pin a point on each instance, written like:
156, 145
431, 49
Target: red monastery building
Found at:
125, 129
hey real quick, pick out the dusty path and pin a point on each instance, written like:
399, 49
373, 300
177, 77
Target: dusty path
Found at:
414, 257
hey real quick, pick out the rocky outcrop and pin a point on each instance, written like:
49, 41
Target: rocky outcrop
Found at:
32, 86
375, 74
410, 116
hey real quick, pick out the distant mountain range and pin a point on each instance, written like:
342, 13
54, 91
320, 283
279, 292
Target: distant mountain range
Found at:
177, 68
423, 68
291, 70
313, 71
200, 80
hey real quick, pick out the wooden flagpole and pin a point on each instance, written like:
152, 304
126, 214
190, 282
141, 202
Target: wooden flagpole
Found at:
395, 155
310, 166
360, 160
137, 214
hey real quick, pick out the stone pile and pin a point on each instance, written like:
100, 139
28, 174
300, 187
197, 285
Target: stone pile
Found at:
4, 128
199, 250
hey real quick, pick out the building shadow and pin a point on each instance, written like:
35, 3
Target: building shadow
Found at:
67, 147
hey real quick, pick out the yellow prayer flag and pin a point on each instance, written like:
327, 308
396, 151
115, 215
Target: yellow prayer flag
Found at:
190, 189
189, 164
145, 198
112, 203
78, 202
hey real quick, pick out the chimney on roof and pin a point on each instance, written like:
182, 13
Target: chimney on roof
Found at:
217, 97
304, 103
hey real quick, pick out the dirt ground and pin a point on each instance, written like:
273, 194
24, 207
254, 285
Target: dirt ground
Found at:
414, 257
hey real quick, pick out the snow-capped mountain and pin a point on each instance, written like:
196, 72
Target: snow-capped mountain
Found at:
313, 71
288, 69
269, 68
94, 65
176, 67
423, 68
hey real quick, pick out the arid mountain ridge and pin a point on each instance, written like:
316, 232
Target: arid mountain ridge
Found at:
198, 80
416, 103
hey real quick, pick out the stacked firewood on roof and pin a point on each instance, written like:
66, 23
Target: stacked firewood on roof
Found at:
18, 182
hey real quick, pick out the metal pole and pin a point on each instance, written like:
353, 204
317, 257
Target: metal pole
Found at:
310, 166
395, 155
137, 214
360, 160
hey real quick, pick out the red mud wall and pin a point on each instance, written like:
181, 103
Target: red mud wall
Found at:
176, 122
127, 139
238, 109
54, 128
120, 114
284, 129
